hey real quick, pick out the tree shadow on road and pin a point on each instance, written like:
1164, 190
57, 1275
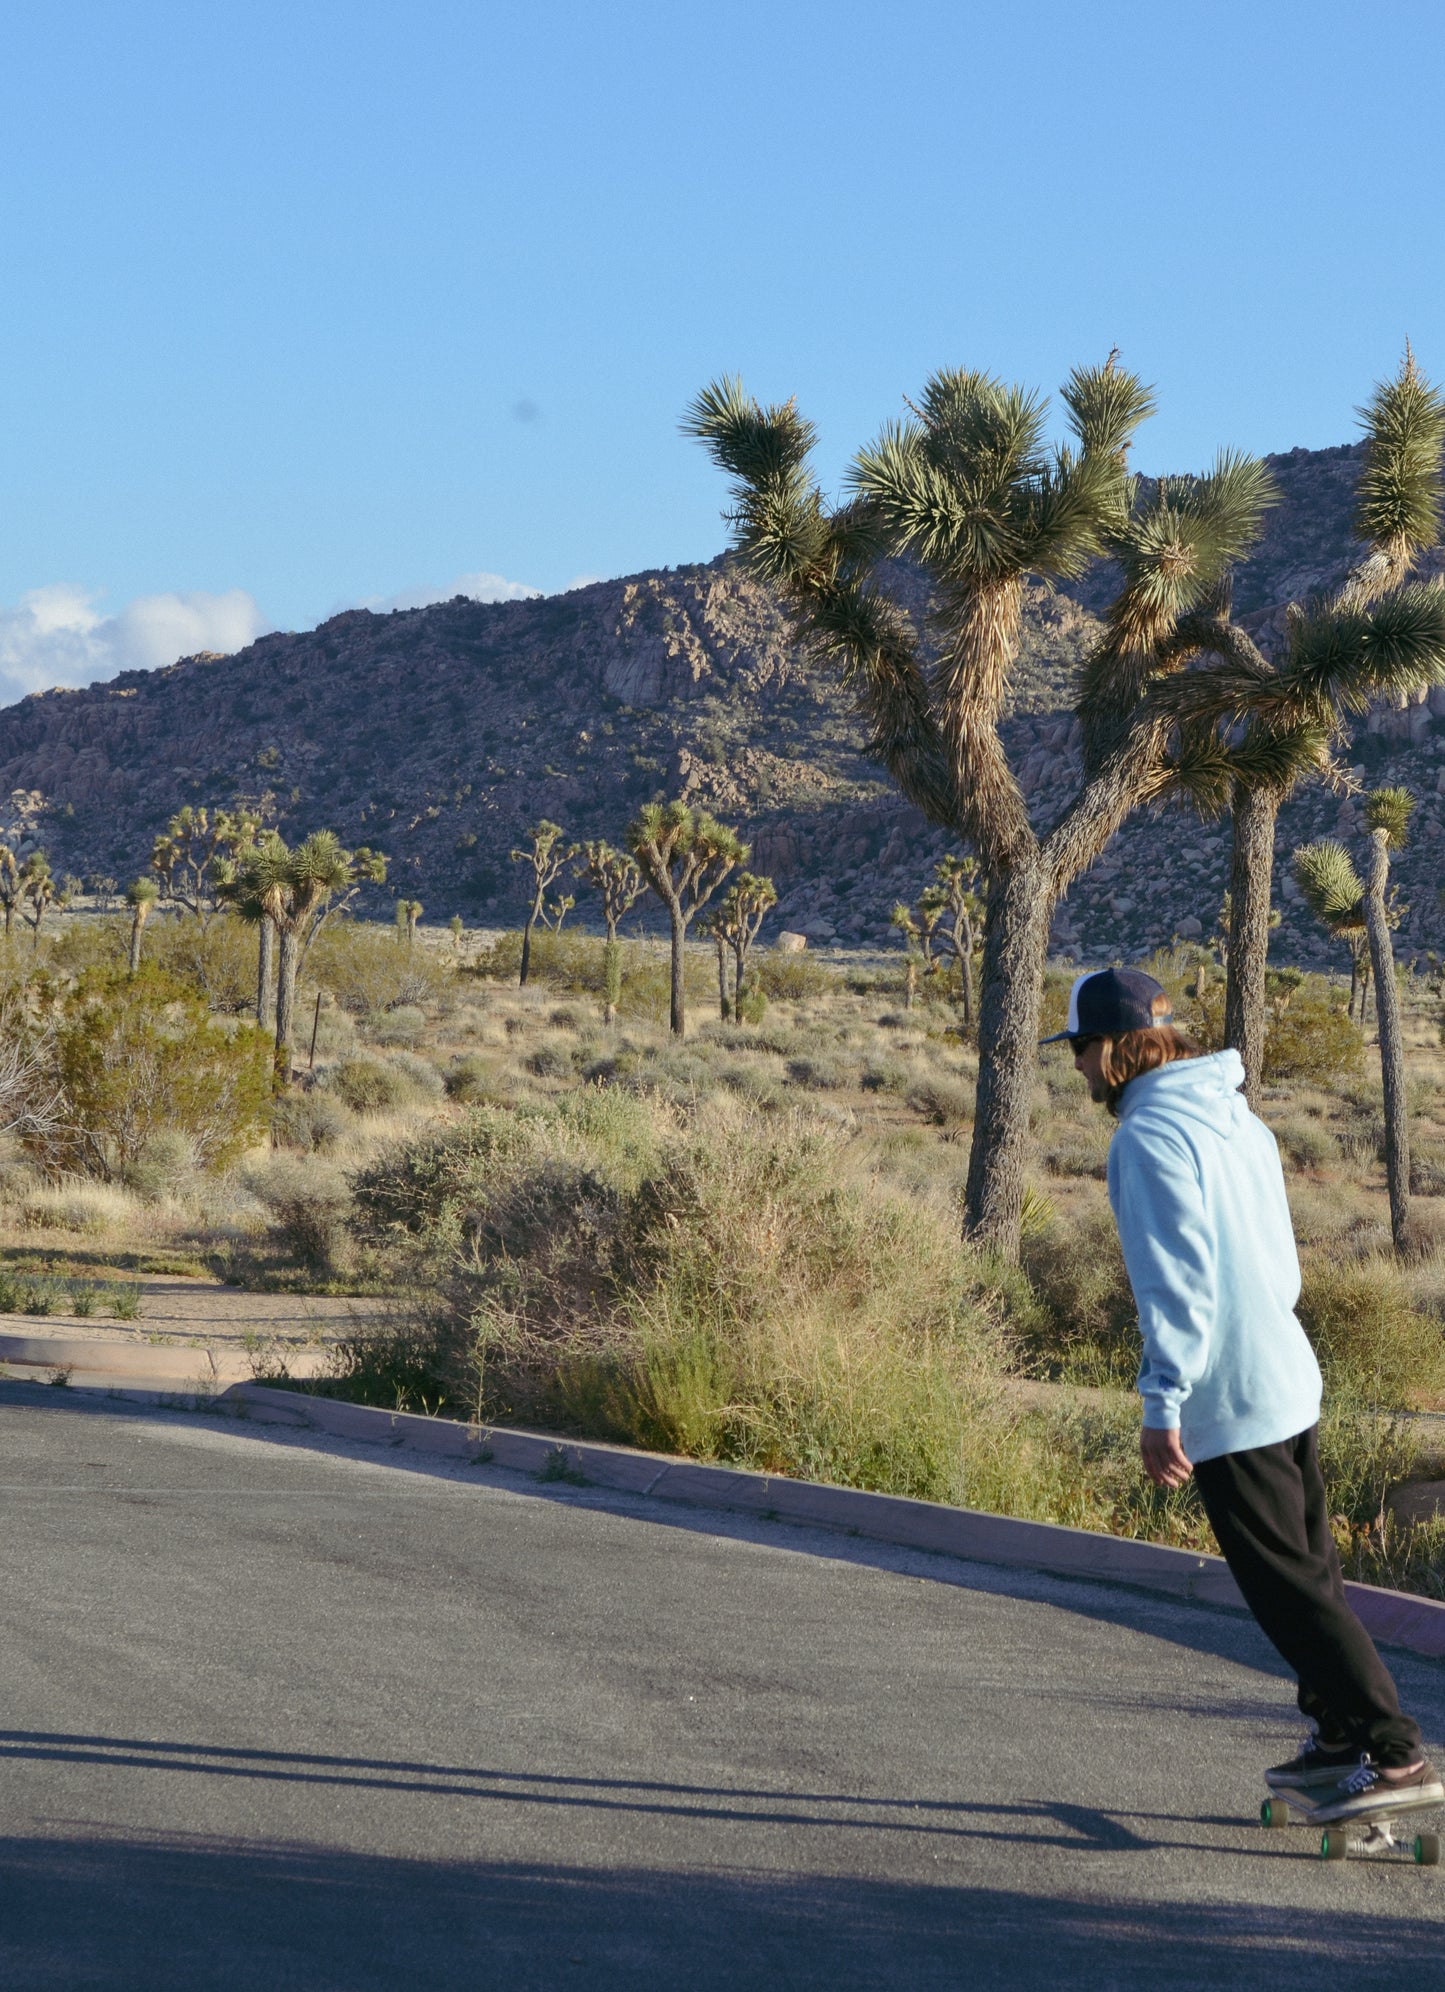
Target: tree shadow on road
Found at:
164, 1914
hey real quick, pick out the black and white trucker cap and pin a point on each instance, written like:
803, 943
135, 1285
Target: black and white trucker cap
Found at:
1106, 1002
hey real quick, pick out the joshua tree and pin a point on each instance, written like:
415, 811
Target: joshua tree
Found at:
408, 912
1375, 635
102, 887
614, 877
968, 489
554, 914
946, 922
458, 931
140, 896
197, 854
37, 892
295, 891
745, 906
547, 854
684, 855
11, 885
1388, 812
1335, 893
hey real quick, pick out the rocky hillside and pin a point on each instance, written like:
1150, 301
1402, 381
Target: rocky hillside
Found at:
439, 734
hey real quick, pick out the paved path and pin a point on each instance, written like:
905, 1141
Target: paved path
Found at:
286, 1714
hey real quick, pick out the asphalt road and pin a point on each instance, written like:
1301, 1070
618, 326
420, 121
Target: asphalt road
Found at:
285, 1713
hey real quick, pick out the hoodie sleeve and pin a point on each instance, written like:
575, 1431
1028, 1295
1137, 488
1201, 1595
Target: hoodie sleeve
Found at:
1169, 1253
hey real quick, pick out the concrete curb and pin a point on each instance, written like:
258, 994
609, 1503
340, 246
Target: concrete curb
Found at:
154, 1361
1394, 1616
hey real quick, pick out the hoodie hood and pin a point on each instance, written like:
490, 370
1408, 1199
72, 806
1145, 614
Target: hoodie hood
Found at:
1199, 1089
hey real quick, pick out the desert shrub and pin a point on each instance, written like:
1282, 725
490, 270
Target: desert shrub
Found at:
473, 1077
369, 970
138, 1055
1373, 1343
791, 978
569, 960
1085, 1329
754, 1004
1308, 1143
549, 1061
424, 1078
220, 963
1079, 1148
821, 1073
163, 1168
885, 1075
309, 1205
405, 1025
1427, 1169
1310, 1037
312, 1120
942, 1099
76, 1203
371, 1085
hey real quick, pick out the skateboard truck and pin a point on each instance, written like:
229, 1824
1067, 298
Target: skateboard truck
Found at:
1377, 1837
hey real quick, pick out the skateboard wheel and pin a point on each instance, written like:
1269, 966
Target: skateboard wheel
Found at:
1274, 1812
1334, 1846
1427, 1850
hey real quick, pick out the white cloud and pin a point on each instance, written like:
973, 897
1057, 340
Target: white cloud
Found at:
480, 588
57, 636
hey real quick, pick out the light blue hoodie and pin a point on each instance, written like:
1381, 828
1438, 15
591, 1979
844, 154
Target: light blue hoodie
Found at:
1198, 1194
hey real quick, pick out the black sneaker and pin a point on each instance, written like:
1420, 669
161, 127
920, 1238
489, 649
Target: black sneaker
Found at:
1379, 1788
1318, 1763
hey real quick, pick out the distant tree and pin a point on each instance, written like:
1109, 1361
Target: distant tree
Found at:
102, 889
1335, 893
37, 892
197, 853
684, 854
615, 878
744, 907
557, 910
408, 912
546, 853
946, 922
1387, 813
458, 931
140, 896
11, 885
1375, 636
297, 890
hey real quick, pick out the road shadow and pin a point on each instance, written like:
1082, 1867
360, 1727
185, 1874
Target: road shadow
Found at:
163, 1914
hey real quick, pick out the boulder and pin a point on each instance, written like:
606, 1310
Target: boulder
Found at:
788, 943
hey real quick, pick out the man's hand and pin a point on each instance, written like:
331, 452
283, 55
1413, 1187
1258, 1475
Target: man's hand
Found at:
1163, 1456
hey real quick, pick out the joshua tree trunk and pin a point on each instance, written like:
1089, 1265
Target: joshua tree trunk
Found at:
285, 1002
740, 970
963, 948
611, 974
1015, 947
677, 1013
532, 919
265, 960
1250, 874
724, 1005
137, 928
1392, 1049
910, 983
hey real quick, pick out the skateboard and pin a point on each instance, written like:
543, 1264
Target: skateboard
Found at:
1357, 1839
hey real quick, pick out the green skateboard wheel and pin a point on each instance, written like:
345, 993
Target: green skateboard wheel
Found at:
1334, 1846
1427, 1850
1274, 1812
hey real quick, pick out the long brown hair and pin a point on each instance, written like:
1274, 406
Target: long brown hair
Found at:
1132, 1052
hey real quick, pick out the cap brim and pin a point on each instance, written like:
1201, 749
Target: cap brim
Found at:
1057, 1038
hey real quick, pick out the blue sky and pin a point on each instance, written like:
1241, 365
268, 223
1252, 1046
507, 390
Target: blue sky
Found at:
308, 305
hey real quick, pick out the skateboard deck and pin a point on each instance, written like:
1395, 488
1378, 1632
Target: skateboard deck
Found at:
1379, 1834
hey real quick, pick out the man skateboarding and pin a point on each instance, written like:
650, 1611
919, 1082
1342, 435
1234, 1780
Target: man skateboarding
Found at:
1230, 1384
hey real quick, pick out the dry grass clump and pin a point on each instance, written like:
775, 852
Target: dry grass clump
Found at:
79, 1203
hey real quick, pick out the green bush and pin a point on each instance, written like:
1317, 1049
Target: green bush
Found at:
371, 1085
140, 1055
313, 1120
1085, 1328
370, 970
943, 1099
1374, 1344
474, 1077
404, 1025
791, 978
309, 1206
1310, 1038
1308, 1143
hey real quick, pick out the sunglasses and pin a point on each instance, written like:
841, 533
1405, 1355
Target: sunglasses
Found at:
1079, 1045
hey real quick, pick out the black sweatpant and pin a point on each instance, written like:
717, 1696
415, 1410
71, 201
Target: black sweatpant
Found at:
1268, 1511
